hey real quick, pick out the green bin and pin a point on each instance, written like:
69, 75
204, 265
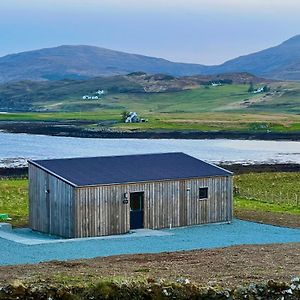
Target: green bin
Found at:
4, 217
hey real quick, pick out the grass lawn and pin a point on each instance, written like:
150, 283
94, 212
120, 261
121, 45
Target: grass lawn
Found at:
271, 198
14, 200
241, 203
276, 192
254, 188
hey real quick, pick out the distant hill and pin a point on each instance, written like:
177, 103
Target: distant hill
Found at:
280, 62
82, 62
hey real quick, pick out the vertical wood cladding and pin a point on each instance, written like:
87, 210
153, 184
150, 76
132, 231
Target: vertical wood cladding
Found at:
58, 208
51, 203
100, 210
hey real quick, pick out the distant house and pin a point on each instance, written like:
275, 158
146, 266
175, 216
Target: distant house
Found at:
95, 196
216, 84
132, 118
97, 95
100, 92
257, 91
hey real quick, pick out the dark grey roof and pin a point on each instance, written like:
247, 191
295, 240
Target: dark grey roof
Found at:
129, 168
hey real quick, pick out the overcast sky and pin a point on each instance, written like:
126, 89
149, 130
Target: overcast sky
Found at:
201, 31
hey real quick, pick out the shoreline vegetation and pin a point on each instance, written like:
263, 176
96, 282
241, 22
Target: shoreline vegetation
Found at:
81, 129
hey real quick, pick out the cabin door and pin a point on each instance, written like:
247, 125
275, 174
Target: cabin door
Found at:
136, 210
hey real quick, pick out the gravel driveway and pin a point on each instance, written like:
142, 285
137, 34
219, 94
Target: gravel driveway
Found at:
187, 238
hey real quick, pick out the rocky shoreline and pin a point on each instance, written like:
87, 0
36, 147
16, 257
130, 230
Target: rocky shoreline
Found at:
76, 129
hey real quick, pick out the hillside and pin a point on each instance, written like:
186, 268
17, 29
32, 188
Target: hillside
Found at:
82, 62
280, 62
35, 95
172, 108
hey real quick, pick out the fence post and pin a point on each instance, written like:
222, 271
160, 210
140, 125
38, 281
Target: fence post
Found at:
280, 195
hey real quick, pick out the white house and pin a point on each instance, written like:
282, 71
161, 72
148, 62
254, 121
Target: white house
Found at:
216, 84
100, 92
260, 90
132, 117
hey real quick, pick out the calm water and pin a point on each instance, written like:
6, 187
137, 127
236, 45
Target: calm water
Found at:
16, 148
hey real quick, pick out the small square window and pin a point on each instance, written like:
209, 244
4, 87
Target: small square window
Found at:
203, 193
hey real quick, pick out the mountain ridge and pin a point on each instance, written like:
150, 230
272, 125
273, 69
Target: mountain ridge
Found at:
280, 62
82, 61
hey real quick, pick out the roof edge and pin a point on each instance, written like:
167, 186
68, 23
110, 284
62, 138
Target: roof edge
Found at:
52, 173
36, 164
149, 181
216, 166
109, 156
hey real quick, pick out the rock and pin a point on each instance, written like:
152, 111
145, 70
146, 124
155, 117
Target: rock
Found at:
18, 287
182, 280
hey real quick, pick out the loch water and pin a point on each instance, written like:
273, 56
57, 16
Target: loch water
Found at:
15, 149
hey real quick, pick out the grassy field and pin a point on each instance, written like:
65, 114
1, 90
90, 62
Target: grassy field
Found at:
176, 121
228, 107
265, 192
14, 200
276, 192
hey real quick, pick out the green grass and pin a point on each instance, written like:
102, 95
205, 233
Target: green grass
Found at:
274, 192
261, 205
190, 101
173, 121
14, 200
201, 109
61, 116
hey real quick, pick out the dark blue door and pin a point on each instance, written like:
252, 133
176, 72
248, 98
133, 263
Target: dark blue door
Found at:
136, 210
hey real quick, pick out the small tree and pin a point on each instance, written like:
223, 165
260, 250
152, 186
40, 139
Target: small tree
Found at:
266, 89
124, 115
251, 88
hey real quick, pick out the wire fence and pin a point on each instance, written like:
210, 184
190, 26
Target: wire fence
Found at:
268, 196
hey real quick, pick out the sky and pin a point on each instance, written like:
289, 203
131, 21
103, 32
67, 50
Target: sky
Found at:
198, 31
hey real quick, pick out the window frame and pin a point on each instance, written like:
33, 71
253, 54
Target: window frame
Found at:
203, 198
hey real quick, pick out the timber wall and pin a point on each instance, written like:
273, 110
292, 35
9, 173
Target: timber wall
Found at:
100, 210
51, 212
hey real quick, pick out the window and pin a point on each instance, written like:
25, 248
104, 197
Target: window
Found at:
203, 193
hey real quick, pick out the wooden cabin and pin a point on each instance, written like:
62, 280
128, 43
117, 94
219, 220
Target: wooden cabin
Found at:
96, 196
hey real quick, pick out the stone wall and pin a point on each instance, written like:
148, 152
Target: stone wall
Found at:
150, 289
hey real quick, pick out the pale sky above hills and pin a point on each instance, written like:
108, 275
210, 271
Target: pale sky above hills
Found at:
201, 31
